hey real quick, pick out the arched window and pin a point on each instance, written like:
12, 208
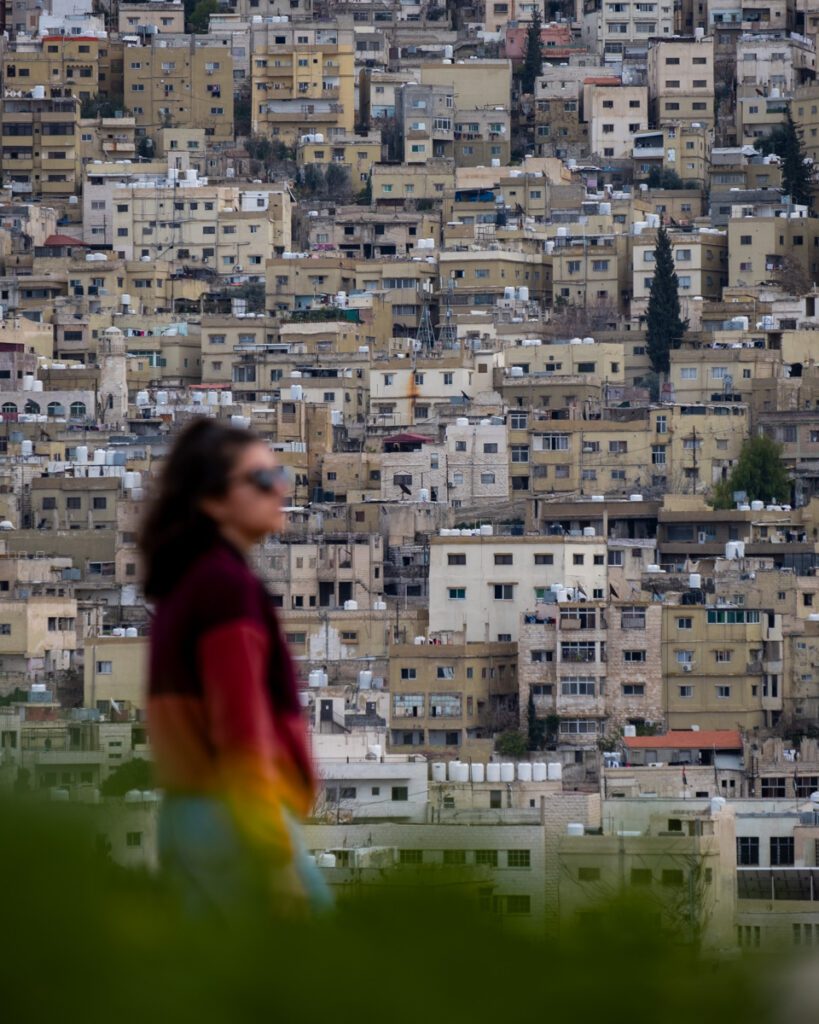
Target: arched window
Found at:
8, 407
77, 410
55, 409
32, 408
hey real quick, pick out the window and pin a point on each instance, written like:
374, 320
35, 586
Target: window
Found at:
544, 559
445, 705
782, 852
504, 591
410, 857
456, 593
578, 726
723, 692
518, 858
503, 559
487, 478
445, 672
408, 705
673, 878
104, 668
408, 673
456, 558
400, 793
634, 656
577, 559
133, 839
773, 786
100, 503
578, 687
685, 623
488, 857
748, 851
633, 618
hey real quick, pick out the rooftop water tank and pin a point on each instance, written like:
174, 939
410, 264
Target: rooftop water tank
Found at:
493, 772
575, 828
554, 771
507, 771
439, 771
539, 771
477, 772
351, 606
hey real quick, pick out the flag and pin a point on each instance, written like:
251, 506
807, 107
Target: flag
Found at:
685, 780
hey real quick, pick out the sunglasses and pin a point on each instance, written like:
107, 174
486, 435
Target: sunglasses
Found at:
269, 480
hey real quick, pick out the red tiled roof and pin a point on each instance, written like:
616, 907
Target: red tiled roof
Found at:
65, 240
685, 739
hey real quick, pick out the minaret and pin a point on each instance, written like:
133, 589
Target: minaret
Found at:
113, 385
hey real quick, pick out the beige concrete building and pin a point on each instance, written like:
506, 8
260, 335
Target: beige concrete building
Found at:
451, 698
38, 637
41, 143
615, 113
681, 81
679, 148
700, 260
302, 81
175, 82
67, 62
115, 673
356, 153
231, 230
162, 17
479, 585
767, 238
722, 666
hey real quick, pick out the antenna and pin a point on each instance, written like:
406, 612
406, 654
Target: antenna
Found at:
447, 333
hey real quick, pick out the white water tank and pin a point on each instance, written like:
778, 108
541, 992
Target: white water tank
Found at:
452, 770
28, 382
296, 392
717, 803
554, 771
314, 679
630, 730
365, 680
26, 448
694, 581
326, 860
539, 771
133, 796
524, 771
351, 606
523, 293
131, 632
575, 828
99, 456
439, 771
37, 385
226, 398
635, 497
477, 772
379, 606
423, 495
757, 506
588, 531
486, 530
462, 421
493, 772
507, 771
81, 455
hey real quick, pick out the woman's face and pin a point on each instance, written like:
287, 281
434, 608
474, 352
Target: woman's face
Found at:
253, 505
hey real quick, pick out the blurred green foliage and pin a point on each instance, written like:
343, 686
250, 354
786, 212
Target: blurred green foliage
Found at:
88, 942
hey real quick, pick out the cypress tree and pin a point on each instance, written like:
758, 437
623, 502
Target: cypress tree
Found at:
797, 176
533, 62
665, 326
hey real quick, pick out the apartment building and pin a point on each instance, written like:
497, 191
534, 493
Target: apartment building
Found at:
392, 184
425, 118
107, 138
302, 81
592, 667
767, 238
114, 672
232, 230
162, 17
38, 637
356, 153
683, 149
450, 698
608, 28
176, 82
67, 62
723, 666
325, 573
479, 585
681, 82
615, 113
700, 260
41, 143
404, 392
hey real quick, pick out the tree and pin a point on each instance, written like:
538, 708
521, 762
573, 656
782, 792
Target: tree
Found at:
533, 62
134, 774
337, 182
312, 179
665, 326
200, 16
537, 727
664, 177
511, 743
759, 472
797, 169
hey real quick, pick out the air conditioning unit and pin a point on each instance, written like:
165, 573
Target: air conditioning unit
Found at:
688, 667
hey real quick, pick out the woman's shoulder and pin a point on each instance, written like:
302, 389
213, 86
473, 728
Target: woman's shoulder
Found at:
223, 586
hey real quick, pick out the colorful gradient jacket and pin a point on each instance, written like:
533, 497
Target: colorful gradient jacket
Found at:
223, 702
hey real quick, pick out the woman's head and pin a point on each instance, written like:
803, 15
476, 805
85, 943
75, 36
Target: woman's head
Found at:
216, 480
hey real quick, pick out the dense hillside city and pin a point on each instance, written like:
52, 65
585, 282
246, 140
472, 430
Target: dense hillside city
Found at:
524, 296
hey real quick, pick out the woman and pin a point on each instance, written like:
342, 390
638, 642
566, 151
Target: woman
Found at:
228, 739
